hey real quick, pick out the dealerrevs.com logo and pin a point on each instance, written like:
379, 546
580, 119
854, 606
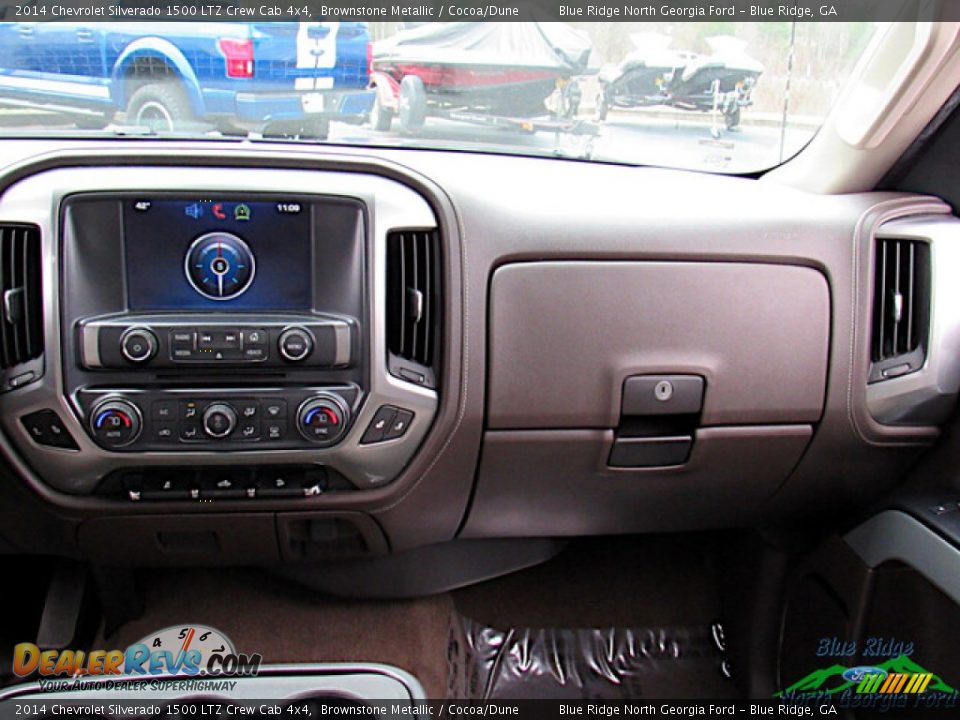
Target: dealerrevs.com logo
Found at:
179, 650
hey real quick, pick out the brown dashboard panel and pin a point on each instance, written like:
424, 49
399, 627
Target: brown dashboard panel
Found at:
556, 482
751, 339
564, 336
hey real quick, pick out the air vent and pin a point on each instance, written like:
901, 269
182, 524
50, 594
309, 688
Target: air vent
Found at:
413, 305
901, 307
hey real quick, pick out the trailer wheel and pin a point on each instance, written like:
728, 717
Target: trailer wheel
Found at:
413, 103
160, 106
381, 117
570, 98
731, 117
603, 107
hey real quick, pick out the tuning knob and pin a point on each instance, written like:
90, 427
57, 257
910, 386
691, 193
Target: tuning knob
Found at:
115, 422
323, 418
295, 344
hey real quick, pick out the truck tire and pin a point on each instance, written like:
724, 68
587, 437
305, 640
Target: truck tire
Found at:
381, 117
162, 106
413, 103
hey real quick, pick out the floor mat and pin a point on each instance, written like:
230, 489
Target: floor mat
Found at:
610, 664
614, 618
287, 623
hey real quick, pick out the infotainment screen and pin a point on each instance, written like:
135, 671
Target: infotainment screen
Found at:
209, 253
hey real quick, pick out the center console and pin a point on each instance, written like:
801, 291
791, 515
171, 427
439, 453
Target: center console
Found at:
228, 320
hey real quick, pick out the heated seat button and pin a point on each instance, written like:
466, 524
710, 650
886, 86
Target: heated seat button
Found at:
378, 427
46, 428
398, 427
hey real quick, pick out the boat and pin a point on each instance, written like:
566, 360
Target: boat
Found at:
721, 82
494, 69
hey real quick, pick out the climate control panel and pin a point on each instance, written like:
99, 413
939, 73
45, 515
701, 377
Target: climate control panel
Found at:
269, 342
219, 419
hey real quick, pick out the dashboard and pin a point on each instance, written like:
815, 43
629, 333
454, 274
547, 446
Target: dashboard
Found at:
410, 347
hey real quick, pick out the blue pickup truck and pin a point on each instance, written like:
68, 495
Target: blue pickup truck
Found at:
252, 76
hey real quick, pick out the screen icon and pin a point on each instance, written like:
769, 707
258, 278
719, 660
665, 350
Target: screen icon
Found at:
218, 212
241, 212
142, 205
194, 210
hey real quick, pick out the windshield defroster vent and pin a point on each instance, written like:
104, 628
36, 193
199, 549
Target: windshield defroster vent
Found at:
413, 305
901, 307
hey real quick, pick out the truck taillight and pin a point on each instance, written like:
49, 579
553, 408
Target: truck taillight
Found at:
239, 55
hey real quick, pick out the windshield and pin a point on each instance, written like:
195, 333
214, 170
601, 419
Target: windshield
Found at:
717, 96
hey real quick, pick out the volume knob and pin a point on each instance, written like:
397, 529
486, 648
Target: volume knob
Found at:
138, 345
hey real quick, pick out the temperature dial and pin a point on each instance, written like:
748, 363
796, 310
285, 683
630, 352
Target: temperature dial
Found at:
220, 266
115, 423
323, 419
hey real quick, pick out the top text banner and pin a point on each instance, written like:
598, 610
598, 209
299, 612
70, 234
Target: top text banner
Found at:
478, 10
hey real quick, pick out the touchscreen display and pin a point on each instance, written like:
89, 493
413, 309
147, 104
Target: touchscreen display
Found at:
217, 254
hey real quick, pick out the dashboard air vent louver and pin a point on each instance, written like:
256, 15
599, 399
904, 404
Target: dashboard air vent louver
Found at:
901, 307
413, 304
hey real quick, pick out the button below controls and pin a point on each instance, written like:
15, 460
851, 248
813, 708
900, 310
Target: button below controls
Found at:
224, 483
378, 427
389, 423
166, 485
183, 338
248, 430
45, 427
189, 410
115, 423
164, 410
165, 431
295, 344
275, 409
255, 337
399, 425
247, 409
138, 345
219, 420
275, 429
190, 431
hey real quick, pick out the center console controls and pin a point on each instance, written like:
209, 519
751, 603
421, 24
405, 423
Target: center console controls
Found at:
229, 419
161, 342
243, 330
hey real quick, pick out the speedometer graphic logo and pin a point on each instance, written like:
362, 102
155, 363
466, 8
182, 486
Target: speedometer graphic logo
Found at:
220, 265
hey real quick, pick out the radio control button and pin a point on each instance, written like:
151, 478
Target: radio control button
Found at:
295, 344
138, 345
257, 337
